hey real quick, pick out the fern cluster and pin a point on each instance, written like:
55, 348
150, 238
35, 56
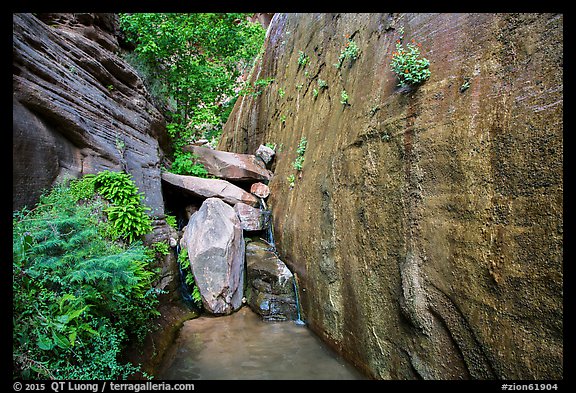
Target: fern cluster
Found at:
78, 296
126, 213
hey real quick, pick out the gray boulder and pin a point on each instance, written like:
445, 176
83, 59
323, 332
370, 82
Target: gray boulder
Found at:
270, 284
215, 245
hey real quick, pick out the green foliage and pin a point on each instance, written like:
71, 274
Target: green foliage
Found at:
291, 180
126, 214
281, 92
184, 262
350, 51
344, 98
322, 84
161, 248
270, 146
185, 164
83, 188
192, 63
408, 66
299, 161
79, 297
302, 59
257, 87
171, 220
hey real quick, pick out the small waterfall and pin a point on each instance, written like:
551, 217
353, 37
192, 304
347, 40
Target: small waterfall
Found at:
270, 240
298, 321
268, 225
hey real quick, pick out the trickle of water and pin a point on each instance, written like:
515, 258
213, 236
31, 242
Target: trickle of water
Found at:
298, 321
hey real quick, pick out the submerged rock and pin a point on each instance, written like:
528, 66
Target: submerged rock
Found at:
215, 245
270, 284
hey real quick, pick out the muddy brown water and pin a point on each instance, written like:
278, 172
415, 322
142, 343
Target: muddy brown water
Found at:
242, 346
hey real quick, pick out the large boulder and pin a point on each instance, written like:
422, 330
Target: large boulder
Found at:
270, 284
230, 166
215, 245
210, 188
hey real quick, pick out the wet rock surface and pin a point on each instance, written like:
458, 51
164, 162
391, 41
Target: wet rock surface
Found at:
270, 284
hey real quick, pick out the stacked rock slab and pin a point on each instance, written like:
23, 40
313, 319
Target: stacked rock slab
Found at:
214, 237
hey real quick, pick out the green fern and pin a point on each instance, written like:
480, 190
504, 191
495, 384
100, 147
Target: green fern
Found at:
79, 298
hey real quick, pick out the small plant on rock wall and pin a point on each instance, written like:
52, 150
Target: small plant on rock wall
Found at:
302, 59
409, 67
344, 98
350, 51
297, 164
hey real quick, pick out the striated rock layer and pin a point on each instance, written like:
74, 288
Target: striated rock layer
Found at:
426, 225
79, 108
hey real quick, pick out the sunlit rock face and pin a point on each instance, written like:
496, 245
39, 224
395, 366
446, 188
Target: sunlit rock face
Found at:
79, 108
426, 225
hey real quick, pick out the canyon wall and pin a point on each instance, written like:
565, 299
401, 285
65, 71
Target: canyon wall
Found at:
426, 224
79, 108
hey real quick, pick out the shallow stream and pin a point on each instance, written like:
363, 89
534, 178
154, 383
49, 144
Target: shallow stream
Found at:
242, 346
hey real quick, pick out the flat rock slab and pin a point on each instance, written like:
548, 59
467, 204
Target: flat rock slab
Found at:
230, 166
211, 188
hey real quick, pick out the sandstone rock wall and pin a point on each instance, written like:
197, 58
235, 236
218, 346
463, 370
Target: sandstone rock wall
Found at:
78, 107
426, 226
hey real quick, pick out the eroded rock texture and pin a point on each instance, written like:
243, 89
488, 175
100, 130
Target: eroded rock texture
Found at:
78, 107
426, 226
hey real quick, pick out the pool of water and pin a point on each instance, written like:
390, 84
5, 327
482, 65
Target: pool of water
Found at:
242, 346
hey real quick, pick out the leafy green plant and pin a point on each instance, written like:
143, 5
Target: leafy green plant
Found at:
315, 93
410, 69
126, 213
185, 164
291, 180
281, 92
299, 161
344, 98
465, 86
302, 59
79, 297
171, 220
257, 87
350, 51
283, 119
322, 84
